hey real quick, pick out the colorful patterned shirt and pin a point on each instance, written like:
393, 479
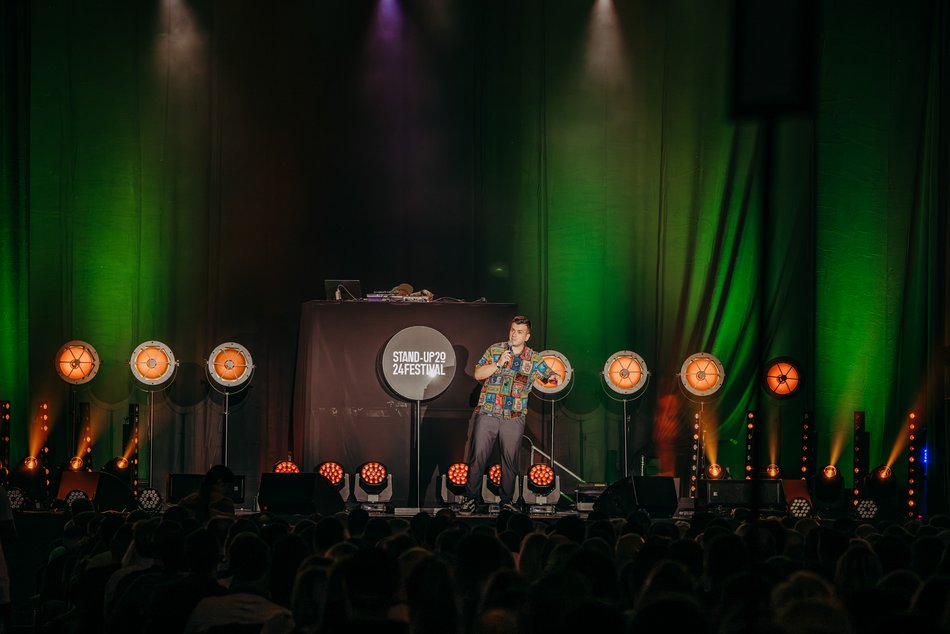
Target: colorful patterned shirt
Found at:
505, 393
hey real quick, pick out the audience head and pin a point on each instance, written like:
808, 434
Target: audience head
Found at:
248, 558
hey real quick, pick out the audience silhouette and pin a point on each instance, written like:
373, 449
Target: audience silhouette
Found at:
201, 569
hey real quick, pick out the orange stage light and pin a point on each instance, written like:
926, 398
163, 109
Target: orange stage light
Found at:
77, 362
373, 473
457, 474
332, 471
286, 466
153, 363
782, 378
625, 372
702, 374
494, 474
230, 364
562, 368
541, 475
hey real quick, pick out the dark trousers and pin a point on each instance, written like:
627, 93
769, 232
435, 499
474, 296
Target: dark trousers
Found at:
509, 433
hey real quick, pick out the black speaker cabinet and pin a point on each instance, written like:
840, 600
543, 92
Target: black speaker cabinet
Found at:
298, 494
774, 56
654, 495
179, 485
745, 494
104, 490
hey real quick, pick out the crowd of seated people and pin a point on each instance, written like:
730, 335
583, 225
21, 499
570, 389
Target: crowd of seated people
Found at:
199, 568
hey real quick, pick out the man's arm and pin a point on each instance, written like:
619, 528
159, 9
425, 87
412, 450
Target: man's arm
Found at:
485, 370
487, 365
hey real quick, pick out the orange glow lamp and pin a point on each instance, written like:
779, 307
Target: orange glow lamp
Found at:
702, 374
562, 368
782, 378
153, 363
77, 362
625, 373
230, 366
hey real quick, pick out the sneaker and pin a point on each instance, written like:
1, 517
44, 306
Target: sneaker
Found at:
467, 506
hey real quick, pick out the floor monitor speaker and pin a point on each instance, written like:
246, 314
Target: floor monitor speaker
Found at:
654, 495
104, 490
298, 494
745, 494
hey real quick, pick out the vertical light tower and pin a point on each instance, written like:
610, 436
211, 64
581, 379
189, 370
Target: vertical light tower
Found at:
916, 446
42, 425
5, 417
84, 442
130, 444
750, 448
809, 448
32, 475
861, 445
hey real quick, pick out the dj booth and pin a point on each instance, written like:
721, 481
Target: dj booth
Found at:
344, 409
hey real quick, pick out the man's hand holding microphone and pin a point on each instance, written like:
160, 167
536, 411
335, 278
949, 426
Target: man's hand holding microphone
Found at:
505, 358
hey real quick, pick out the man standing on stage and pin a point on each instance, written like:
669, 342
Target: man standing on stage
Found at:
508, 369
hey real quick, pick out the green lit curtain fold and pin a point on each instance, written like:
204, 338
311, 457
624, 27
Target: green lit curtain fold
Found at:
14, 212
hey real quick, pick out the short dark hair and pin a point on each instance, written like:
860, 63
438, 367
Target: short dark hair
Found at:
521, 320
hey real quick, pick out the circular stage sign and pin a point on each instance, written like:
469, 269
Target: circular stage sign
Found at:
418, 363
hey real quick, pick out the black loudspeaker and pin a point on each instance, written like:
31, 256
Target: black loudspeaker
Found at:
180, 485
104, 490
298, 494
654, 495
745, 494
774, 56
